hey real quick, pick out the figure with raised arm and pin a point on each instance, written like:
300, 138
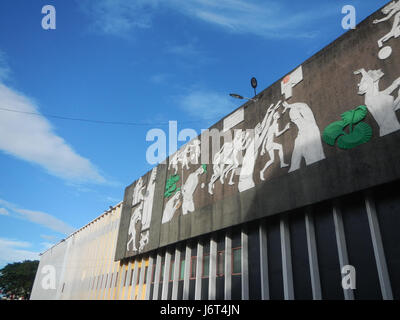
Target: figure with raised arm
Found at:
392, 9
308, 144
381, 104
270, 145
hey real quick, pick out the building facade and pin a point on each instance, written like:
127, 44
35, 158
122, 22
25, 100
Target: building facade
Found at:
291, 196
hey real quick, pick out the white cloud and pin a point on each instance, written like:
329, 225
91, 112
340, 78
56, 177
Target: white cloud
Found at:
269, 19
46, 245
15, 251
40, 218
188, 52
32, 138
187, 49
119, 17
206, 105
49, 237
160, 78
3, 212
112, 200
46, 220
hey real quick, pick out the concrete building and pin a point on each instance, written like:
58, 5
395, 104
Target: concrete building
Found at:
300, 203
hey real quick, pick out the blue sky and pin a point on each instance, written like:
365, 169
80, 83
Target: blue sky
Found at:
139, 61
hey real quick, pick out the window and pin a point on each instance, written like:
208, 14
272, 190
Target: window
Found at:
138, 276
193, 261
153, 273
105, 283
206, 266
101, 283
111, 280
171, 270
131, 281
162, 272
236, 261
116, 280
182, 271
145, 274
220, 263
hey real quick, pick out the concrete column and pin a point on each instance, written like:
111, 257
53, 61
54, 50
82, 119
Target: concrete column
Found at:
125, 272
134, 280
197, 292
176, 275
212, 280
342, 248
228, 267
186, 279
167, 266
148, 278
286, 260
264, 262
157, 277
141, 279
379, 253
313, 256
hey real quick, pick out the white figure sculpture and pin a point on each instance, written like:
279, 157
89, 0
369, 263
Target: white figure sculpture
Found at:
290, 81
381, 104
194, 151
144, 240
148, 200
391, 9
171, 206
254, 141
184, 158
238, 145
270, 146
135, 218
138, 192
308, 144
188, 190
226, 160
188, 154
174, 162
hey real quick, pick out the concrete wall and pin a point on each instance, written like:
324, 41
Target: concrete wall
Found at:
83, 264
329, 87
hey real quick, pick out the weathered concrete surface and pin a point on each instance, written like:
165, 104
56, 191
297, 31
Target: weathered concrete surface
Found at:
330, 88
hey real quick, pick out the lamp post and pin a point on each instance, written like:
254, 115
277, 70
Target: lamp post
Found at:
238, 96
253, 83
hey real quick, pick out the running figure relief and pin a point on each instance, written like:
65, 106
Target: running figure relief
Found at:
381, 104
392, 9
189, 154
269, 146
142, 206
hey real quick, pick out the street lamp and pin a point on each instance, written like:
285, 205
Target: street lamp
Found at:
253, 83
238, 96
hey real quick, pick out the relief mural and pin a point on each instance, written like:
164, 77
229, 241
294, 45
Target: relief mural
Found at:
392, 9
142, 208
244, 161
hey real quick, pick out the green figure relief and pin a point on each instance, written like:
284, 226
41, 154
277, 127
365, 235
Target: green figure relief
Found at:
358, 133
170, 187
